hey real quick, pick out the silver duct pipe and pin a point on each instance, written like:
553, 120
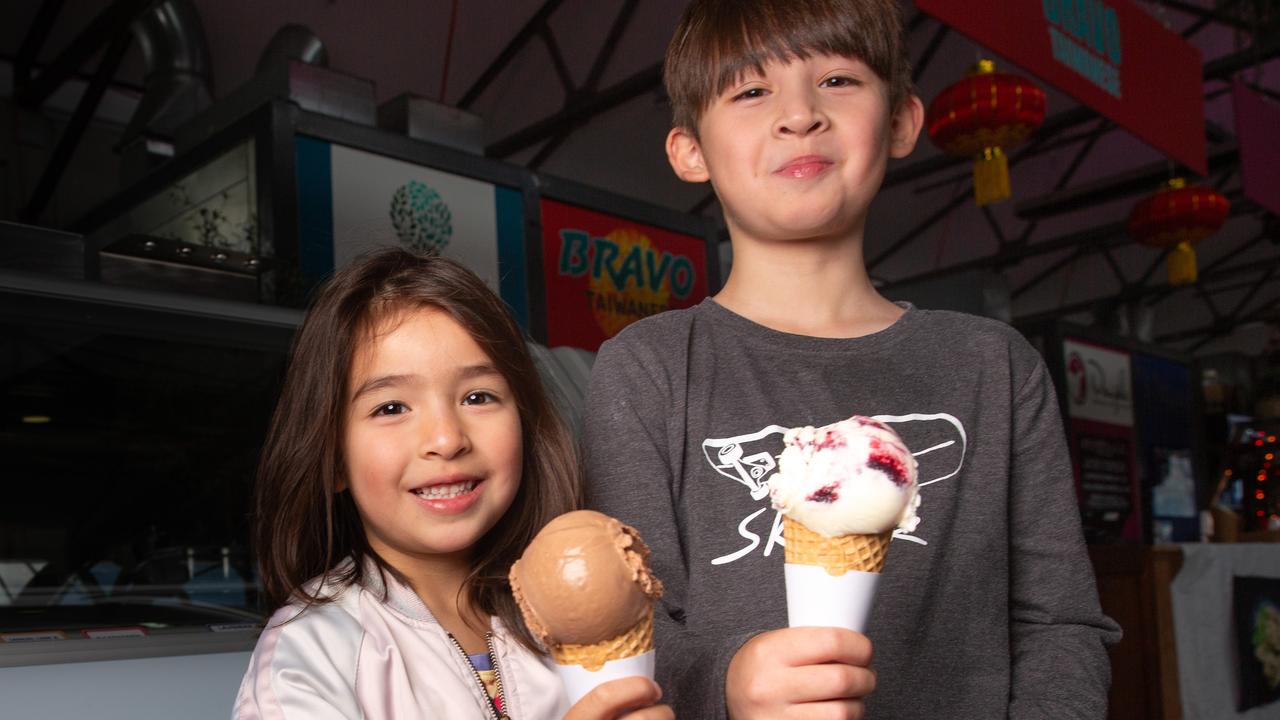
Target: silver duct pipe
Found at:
179, 80
294, 42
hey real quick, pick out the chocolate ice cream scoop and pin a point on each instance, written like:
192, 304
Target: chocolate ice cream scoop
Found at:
584, 579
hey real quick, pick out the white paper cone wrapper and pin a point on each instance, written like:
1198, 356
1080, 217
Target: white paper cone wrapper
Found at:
579, 681
816, 598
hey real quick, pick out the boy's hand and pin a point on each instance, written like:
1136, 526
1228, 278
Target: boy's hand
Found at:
800, 673
630, 698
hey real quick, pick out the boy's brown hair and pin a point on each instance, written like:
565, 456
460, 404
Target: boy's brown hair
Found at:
304, 527
718, 40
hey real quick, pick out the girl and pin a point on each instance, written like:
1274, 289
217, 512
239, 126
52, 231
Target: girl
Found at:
412, 456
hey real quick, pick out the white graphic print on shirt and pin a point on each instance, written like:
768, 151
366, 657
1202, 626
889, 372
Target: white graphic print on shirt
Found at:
938, 441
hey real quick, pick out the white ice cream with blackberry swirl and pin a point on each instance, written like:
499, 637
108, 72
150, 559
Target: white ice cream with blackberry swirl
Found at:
853, 477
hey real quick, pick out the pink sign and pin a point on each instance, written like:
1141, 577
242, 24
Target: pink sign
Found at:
1108, 54
1257, 120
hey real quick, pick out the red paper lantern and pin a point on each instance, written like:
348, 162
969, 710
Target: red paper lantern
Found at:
981, 115
1175, 218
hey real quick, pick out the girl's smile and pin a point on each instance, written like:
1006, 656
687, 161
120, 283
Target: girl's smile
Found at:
432, 438
449, 495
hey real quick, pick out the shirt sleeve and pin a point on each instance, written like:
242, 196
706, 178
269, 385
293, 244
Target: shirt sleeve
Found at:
1059, 633
632, 455
302, 669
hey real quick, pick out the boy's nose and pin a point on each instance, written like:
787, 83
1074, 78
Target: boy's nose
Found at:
800, 117
445, 436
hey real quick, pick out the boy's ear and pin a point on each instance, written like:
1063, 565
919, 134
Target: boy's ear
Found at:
685, 155
905, 126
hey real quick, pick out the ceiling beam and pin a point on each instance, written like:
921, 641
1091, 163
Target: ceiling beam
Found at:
1222, 8
1211, 15
74, 132
965, 195
1220, 328
1139, 292
101, 31
578, 111
1091, 239
598, 67
1209, 269
927, 55
32, 43
1143, 179
513, 48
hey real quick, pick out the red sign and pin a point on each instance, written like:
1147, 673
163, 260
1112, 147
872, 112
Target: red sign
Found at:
1256, 123
603, 273
1108, 54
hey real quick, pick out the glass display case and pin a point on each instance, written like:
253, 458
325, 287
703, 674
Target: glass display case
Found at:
133, 422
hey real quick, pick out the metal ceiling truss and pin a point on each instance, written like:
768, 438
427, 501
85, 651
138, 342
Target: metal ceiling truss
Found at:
1081, 240
110, 29
582, 102
1222, 68
592, 83
513, 48
1206, 16
960, 198
1152, 295
926, 56
1132, 182
579, 111
1222, 162
1208, 333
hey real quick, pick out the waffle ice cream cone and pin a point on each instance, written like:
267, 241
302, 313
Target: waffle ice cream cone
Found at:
585, 591
837, 555
636, 640
842, 490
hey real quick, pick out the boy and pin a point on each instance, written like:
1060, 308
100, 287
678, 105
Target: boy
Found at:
791, 109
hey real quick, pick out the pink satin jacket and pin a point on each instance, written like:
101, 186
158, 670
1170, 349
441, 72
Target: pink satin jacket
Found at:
362, 657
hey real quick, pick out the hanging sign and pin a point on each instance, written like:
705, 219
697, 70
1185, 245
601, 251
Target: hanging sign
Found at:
351, 201
603, 272
1108, 54
1256, 123
1100, 427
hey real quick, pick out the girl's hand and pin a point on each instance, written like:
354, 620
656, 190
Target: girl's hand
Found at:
631, 698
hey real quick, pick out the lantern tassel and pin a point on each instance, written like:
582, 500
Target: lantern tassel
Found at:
1182, 264
991, 176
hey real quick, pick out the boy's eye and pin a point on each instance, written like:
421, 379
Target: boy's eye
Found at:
839, 81
750, 94
391, 408
479, 397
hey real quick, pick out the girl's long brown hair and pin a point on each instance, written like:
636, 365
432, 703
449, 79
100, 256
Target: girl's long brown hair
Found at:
303, 527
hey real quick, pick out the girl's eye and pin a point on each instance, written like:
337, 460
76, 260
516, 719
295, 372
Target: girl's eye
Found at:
391, 408
479, 397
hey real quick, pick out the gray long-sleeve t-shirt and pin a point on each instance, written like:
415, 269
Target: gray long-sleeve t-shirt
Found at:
987, 610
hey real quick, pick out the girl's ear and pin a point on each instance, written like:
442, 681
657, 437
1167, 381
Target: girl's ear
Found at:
685, 155
905, 126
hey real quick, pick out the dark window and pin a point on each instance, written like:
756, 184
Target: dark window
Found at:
131, 430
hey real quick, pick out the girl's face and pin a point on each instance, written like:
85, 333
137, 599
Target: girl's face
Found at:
432, 438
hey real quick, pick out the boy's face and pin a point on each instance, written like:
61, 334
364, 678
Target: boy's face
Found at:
799, 151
